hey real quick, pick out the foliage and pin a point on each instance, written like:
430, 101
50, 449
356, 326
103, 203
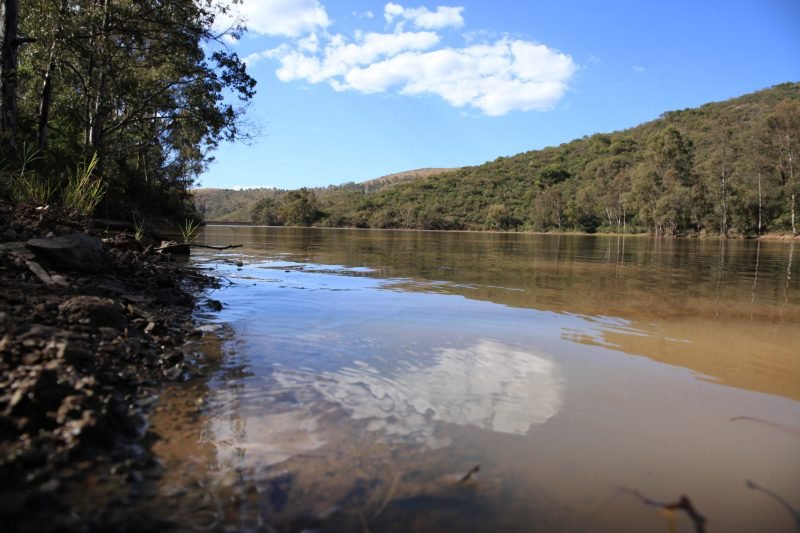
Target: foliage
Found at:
30, 188
266, 212
150, 87
228, 205
138, 225
25, 186
300, 208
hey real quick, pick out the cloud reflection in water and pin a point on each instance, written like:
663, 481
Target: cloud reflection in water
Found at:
489, 385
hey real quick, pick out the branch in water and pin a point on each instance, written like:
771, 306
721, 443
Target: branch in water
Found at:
215, 247
470, 473
684, 504
787, 429
792, 511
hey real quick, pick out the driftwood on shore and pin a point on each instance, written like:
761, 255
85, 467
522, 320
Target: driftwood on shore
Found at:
183, 248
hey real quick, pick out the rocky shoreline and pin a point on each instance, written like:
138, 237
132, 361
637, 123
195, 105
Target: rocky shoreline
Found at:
92, 324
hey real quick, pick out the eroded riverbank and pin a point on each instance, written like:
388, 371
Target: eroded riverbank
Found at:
91, 325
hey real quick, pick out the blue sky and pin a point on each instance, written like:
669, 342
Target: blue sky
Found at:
349, 91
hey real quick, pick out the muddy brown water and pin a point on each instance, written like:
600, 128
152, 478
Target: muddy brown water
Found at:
358, 376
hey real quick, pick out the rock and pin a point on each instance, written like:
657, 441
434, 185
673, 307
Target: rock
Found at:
77, 251
9, 234
76, 353
214, 305
174, 372
99, 312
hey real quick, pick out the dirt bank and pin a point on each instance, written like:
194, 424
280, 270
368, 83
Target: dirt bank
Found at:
91, 325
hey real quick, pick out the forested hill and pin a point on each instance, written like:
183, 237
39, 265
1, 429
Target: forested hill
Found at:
728, 167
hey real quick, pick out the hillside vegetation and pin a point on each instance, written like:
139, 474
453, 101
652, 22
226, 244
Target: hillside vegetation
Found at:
724, 168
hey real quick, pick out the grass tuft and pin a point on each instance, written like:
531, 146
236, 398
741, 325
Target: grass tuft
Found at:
84, 192
189, 230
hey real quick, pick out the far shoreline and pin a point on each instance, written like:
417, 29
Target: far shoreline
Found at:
771, 236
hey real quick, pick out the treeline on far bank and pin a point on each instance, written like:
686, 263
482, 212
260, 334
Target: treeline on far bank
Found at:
726, 168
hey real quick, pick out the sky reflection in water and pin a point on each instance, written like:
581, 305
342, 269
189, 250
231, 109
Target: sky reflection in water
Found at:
524, 354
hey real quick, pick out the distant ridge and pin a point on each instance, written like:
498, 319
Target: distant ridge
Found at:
234, 205
400, 177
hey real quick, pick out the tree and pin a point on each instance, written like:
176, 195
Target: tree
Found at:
498, 217
267, 212
300, 208
785, 126
9, 42
720, 168
149, 86
756, 190
663, 180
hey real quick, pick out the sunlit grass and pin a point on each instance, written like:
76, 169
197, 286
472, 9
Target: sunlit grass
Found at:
84, 192
189, 230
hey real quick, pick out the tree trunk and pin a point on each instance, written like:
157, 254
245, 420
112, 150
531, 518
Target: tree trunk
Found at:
9, 16
47, 84
760, 202
96, 107
792, 184
44, 103
724, 221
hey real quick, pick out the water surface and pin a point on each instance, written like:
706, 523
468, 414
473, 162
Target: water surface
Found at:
362, 374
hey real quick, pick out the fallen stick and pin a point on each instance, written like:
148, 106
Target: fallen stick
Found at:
40, 272
182, 248
683, 504
752, 485
215, 247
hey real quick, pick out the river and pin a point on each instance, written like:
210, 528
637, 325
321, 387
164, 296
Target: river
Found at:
360, 380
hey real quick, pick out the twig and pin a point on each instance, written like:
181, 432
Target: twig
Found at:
193, 245
787, 429
364, 526
388, 497
471, 472
792, 511
683, 504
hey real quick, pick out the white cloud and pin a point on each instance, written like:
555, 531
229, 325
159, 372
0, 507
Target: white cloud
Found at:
289, 18
638, 68
309, 44
340, 57
423, 18
494, 78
